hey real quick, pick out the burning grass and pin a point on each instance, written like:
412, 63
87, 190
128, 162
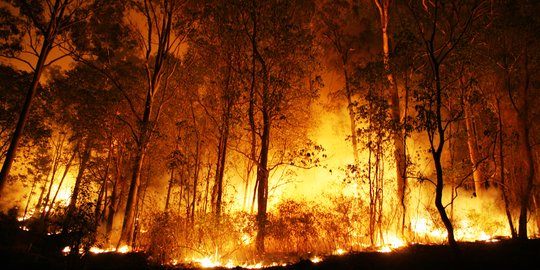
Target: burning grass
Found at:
298, 232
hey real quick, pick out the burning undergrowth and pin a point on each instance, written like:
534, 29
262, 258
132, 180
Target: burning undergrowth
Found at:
296, 230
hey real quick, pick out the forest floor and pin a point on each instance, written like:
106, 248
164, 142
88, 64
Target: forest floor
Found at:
21, 250
505, 254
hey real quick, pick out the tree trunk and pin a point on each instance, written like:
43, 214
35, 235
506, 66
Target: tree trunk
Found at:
23, 117
78, 181
56, 162
222, 154
262, 168
398, 135
474, 154
350, 109
525, 188
103, 189
195, 179
436, 153
49, 36
438, 202
113, 204
262, 191
503, 186
154, 72
171, 181
68, 165
126, 236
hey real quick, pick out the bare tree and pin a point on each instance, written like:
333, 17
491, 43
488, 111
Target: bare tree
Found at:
441, 26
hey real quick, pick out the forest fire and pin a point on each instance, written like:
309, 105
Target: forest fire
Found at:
254, 134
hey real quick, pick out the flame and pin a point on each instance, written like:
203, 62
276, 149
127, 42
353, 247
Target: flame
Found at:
247, 239
211, 262
207, 262
98, 250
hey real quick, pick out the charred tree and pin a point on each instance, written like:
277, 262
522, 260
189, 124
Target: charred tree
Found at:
441, 27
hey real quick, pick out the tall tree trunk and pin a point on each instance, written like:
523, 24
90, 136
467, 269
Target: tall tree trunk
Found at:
523, 128
195, 179
220, 168
436, 152
197, 167
103, 188
56, 162
472, 145
66, 170
503, 186
126, 235
350, 109
113, 201
228, 99
155, 69
398, 136
474, 153
85, 157
525, 188
23, 117
30, 195
49, 36
171, 181
262, 191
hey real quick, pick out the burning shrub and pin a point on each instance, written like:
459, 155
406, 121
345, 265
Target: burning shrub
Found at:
163, 237
293, 227
171, 238
81, 228
340, 223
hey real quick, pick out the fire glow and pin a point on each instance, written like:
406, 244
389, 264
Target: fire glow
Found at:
256, 134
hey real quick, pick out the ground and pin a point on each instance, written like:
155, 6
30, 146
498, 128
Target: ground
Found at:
480, 255
20, 249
